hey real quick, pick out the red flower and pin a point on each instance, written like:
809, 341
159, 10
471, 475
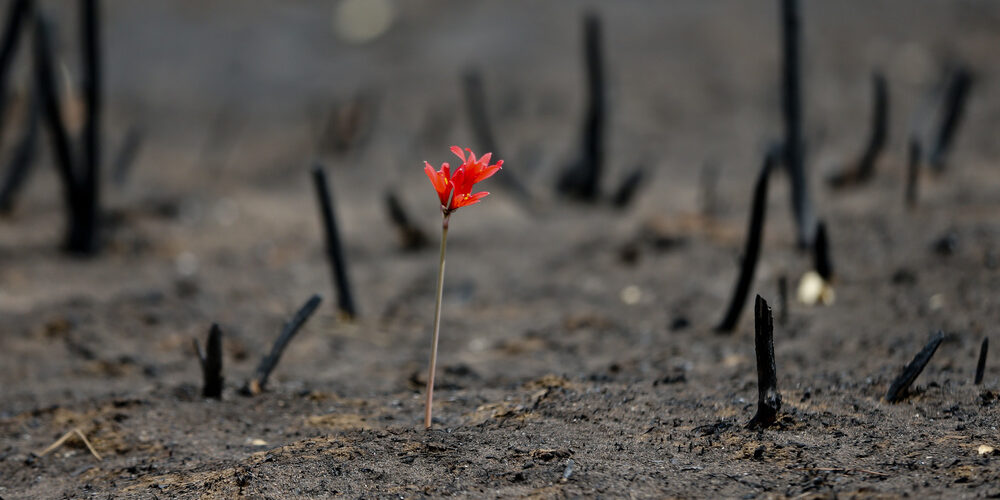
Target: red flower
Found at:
457, 187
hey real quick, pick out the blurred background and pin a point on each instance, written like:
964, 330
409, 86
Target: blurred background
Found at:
213, 114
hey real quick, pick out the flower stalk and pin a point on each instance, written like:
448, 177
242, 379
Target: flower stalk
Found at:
437, 323
454, 190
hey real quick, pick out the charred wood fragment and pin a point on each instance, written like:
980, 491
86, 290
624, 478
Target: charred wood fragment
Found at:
863, 168
901, 385
794, 147
211, 363
482, 130
768, 398
334, 248
981, 365
581, 179
955, 98
268, 363
751, 253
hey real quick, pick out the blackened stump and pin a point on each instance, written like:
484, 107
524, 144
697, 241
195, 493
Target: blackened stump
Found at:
84, 235
864, 168
581, 180
211, 363
751, 253
981, 365
267, 364
901, 385
768, 398
794, 147
334, 249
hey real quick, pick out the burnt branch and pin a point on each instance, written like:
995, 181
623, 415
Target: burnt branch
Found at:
955, 98
83, 236
981, 365
791, 99
211, 363
864, 167
768, 398
269, 362
411, 237
51, 111
18, 14
751, 253
482, 130
334, 249
901, 385
581, 180
20, 164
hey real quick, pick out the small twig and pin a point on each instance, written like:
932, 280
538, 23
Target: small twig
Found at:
841, 469
479, 120
267, 364
582, 179
411, 237
900, 387
955, 98
821, 253
211, 363
127, 153
981, 365
768, 398
334, 249
629, 186
22, 159
751, 253
59, 442
913, 171
794, 148
863, 169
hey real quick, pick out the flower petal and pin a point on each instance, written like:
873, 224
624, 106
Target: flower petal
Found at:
472, 199
489, 171
437, 181
458, 152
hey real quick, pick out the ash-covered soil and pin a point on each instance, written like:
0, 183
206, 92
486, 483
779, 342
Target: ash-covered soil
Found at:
578, 356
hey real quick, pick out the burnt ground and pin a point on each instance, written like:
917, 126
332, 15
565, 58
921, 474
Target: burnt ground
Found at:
577, 355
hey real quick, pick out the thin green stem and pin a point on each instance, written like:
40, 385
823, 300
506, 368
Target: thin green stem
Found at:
437, 325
